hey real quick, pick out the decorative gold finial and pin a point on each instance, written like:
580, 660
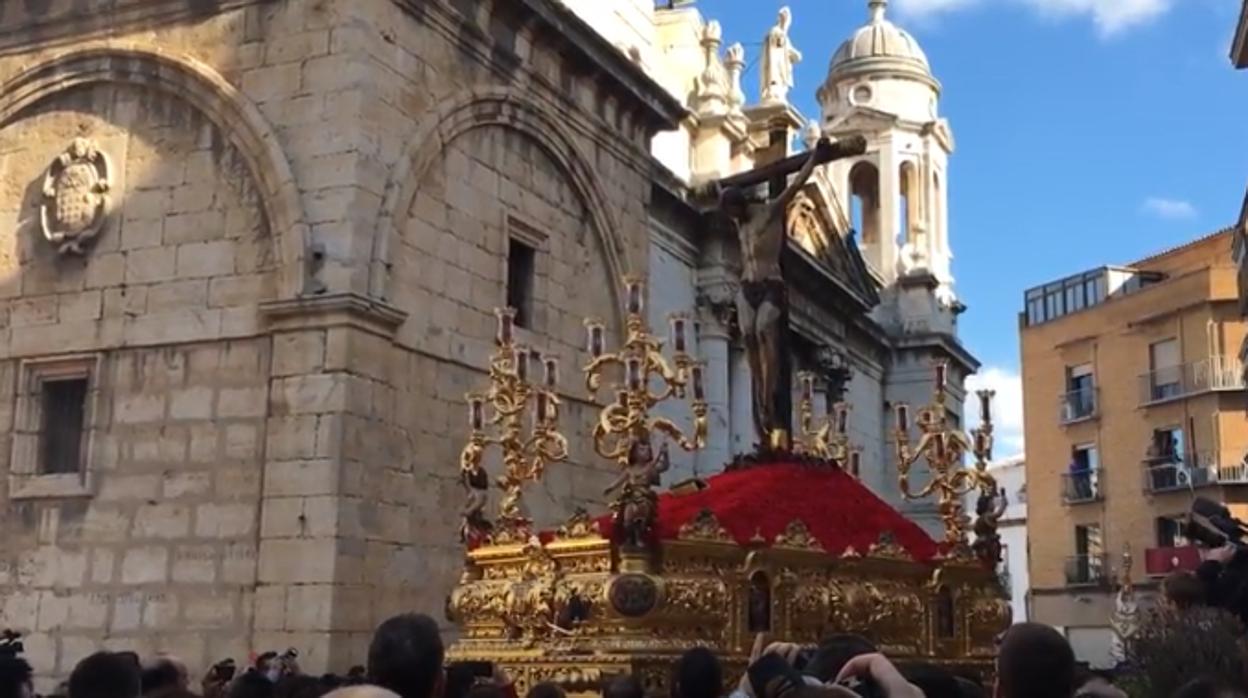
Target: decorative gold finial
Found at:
625, 428
943, 447
829, 441
514, 392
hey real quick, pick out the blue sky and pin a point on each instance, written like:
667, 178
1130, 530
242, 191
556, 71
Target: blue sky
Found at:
1088, 132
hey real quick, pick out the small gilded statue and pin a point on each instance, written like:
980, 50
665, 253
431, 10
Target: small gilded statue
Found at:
475, 527
989, 508
636, 505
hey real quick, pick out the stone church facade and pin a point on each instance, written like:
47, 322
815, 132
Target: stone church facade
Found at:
249, 256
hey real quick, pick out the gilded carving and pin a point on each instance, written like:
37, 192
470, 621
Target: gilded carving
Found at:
887, 548
797, 535
579, 525
705, 527
75, 196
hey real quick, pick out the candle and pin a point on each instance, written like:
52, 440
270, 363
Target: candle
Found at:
634, 296
699, 391
678, 334
595, 341
476, 413
506, 321
855, 463
903, 417
522, 364
633, 373
985, 407
940, 379
842, 419
552, 372
981, 442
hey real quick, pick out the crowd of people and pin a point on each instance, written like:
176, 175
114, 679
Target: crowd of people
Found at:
1192, 646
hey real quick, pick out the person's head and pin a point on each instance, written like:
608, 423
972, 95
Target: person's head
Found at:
252, 684
834, 653
406, 656
546, 689
161, 674
15, 678
932, 680
1207, 687
1182, 590
301, 686
1035, 661
362, 691
627, 686
970, 689
105, 675
697, 675
486, 690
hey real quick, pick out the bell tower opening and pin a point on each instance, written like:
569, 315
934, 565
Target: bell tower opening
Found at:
864, 188
908, 206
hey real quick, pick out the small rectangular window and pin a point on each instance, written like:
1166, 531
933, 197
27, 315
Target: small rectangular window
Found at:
62, 417
521, 267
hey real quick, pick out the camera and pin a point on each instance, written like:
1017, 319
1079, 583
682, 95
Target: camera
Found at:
1211, 525
11, 643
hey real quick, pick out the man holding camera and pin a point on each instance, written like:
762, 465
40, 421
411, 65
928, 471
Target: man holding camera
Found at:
1224, 572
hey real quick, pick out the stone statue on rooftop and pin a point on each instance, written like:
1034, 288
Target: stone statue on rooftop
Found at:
779, 56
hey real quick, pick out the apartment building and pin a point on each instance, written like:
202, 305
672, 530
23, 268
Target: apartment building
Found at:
1134, 404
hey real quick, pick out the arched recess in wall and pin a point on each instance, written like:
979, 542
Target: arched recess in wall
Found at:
479, 108
207, 91
907, 178
864, 188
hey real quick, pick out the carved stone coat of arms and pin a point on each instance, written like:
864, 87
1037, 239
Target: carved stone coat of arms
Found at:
75, 196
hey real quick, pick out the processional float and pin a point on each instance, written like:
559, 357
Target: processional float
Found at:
797, 547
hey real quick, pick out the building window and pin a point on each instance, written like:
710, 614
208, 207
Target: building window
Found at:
1170, 533
521, 269
62, 428
1080, 399
1165, 372
55, 420
1087, 566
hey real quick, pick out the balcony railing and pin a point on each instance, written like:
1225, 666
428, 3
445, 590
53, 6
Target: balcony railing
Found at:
1162, 561
1201, 469
1081, 487
1086, 570
1077, 405
1171, 383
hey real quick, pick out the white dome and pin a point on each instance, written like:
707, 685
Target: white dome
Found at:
880, 47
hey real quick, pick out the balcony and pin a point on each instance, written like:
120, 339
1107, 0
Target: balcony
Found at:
1202, 469
1159, 562
1087, 570
1077, 405
1082, 488
1175, 382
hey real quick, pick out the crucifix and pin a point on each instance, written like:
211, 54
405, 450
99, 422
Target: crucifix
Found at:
762, 303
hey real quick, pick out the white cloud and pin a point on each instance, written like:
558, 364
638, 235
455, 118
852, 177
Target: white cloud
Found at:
1109, 16
1007, 408
1169, 209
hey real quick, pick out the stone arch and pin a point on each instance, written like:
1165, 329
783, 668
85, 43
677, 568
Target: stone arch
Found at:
204, 89
476, 108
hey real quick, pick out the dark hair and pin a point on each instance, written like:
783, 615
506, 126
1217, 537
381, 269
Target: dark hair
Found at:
15, 674
159, 675
251, 684
459, 680
969, 688
1207, 687
932, 680
1035, 661
485, 690
1183, 590
697, 674
301, 686
105, 675
406, 655
546, 689
834, 653
626, 686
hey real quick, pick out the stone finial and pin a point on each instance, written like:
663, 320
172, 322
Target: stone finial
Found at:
711, 96
734, 61
811, 134
779, 56
876, 9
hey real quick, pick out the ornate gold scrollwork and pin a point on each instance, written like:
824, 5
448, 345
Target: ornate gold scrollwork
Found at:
887, 548
706, 528
797, 536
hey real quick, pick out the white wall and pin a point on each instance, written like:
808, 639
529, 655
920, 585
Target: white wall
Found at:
672, 289
1010, 474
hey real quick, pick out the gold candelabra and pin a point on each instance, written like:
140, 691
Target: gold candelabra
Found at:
623, 422
527, 445
944, 447
830, 441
